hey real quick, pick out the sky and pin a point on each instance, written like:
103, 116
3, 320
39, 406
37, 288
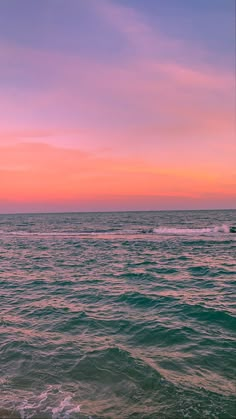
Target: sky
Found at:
117, 105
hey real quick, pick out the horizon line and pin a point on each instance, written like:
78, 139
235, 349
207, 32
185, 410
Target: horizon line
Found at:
114, 211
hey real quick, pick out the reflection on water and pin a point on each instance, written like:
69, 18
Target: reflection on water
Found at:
118, 315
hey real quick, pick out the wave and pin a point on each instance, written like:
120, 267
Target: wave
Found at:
161, 230
182, 231
70, 233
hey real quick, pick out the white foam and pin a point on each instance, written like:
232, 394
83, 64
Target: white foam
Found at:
53, 401
65, 403
74, 410
182, 231
43, 397
65, 409
26, 409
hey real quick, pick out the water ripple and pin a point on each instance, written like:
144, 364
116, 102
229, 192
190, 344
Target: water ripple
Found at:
102, 317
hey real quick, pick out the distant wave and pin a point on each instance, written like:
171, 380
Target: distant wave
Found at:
162, 230
207, 230
108, 232
69, 233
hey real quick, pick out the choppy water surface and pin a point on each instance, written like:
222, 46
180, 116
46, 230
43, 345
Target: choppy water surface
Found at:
118, 315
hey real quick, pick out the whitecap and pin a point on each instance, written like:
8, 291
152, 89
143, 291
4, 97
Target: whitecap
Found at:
182, 231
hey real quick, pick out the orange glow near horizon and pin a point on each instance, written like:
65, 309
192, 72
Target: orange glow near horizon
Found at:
43, 173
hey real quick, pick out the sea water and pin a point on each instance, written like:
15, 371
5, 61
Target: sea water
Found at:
118, 315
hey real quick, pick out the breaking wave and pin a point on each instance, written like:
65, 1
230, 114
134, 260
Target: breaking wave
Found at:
161, 230
206, 230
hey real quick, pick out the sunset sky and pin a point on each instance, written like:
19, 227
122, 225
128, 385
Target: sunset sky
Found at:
117, 105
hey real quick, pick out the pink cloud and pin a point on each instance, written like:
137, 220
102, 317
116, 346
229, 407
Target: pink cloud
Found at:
144, 90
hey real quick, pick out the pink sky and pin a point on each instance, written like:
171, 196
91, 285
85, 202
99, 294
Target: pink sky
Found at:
150, 126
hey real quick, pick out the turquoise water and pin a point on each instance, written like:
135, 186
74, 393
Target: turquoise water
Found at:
118, 315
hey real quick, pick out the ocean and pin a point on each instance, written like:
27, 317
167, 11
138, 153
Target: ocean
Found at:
118, 315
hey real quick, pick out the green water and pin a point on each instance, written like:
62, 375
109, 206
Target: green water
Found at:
118, 315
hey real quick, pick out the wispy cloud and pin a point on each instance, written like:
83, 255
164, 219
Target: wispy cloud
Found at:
144, 92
